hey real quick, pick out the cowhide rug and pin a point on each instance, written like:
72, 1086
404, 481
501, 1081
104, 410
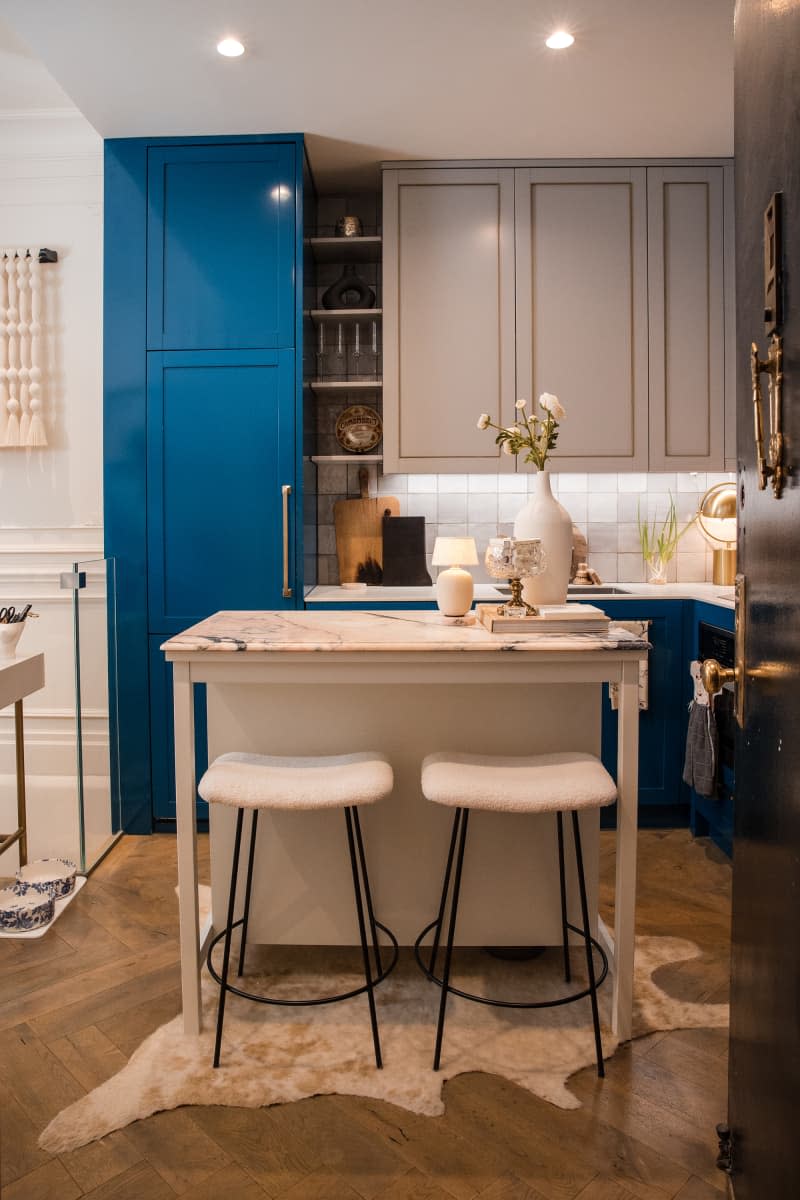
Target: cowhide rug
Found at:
276, 1055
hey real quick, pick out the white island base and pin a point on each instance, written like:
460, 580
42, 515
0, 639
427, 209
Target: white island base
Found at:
303, 889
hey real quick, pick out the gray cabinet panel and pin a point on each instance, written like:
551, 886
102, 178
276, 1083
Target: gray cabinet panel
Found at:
448, 300
686, 285
581, 256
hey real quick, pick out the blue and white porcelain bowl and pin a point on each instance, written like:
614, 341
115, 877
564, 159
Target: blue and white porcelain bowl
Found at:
49, 876
23, 909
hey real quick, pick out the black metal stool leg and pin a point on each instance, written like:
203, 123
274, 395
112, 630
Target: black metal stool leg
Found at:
362, 858
226, 957
448, 953
588, 942
248, 889
563, 880
363, 935
445, 889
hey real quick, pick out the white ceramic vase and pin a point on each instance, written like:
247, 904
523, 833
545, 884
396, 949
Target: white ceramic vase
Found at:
544, 518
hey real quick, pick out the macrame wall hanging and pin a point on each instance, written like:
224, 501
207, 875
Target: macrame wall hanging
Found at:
21, 411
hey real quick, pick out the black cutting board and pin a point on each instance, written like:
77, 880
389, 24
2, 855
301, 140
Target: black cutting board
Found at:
404, 552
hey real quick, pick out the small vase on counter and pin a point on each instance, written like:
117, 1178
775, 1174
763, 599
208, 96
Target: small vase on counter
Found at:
544, 518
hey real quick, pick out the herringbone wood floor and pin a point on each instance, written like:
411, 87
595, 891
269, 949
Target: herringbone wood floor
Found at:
76, 1003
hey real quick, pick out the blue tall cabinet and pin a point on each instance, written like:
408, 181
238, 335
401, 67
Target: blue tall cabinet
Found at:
202, 411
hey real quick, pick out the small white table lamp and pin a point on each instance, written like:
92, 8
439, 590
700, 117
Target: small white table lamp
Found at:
454, 587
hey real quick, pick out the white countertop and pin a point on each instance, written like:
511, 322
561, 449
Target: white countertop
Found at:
711, 593
393, 631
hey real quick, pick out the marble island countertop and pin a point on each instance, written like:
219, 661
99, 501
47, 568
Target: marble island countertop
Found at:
392, 631
710, 593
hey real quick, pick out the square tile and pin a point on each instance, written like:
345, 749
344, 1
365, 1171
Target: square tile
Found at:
605, 565
631, 482
602, 539
482, 483
602, 506
452, 507
392, 485
602, 483
482, 508
422, 483
509, 505
572, 482
420, 504
517, 483
332, 478
451, 483
631, 568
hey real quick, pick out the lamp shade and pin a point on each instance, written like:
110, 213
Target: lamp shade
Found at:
454, 552
717, 514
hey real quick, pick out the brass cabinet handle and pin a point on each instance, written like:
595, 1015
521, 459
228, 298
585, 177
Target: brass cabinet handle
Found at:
772, 366
286, 491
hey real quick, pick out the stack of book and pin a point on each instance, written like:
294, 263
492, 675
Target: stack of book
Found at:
551, 618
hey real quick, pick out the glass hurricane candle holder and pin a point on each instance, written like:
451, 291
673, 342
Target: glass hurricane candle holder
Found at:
515, 559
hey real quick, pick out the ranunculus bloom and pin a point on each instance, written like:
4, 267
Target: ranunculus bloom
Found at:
553, 405
507, 448
483, 421
520, 404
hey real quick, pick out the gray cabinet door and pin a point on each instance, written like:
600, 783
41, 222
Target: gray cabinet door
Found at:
448, 302
581, 264
687, 307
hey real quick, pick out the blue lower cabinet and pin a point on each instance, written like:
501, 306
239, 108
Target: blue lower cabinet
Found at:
162, 750
712, 816
663, 797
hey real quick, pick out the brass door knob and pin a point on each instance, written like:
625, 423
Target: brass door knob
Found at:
714, 676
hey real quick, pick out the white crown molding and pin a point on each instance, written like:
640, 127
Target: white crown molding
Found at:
64, 113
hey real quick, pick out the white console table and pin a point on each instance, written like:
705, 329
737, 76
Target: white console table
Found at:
18, 678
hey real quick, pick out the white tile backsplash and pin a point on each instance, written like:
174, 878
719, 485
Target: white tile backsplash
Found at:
603, 506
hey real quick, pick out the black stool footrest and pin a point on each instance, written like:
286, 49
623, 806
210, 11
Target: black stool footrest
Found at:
493, 1003
359, 991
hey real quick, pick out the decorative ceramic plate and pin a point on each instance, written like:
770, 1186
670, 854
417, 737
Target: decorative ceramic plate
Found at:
359, 429
49, 876
25, 908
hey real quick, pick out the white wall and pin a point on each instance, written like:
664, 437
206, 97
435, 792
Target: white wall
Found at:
51, 194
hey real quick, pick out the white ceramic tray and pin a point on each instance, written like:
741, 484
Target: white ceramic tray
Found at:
61, 904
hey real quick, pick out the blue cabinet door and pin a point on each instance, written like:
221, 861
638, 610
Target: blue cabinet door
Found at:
220, 447
221, 246
663, 797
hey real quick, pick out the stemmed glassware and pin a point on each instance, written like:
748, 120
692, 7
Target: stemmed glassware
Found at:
515, 559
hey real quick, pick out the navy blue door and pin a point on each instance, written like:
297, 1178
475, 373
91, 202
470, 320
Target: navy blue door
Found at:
220, 247
220, 447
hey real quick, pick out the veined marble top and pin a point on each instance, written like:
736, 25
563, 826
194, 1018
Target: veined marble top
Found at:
292, 631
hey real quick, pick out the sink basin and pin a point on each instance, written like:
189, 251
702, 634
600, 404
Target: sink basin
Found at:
582, 589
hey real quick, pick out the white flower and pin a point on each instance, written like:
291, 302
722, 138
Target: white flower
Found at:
507, 448
483, 421
520, 404
553, 405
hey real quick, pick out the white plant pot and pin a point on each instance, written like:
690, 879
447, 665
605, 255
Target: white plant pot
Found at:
544, 518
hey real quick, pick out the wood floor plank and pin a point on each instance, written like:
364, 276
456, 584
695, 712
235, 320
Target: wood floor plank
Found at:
172, 1143
510, 1188
128, 1028
698, 1189
34, 1077
19, 1152
322, 1186
415, 1186
605, 1189
231, 1183
89, 1056
265, 1150
101, 1162
49, 1182
138, 1183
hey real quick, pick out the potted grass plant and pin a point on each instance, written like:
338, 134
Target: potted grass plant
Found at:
659, 541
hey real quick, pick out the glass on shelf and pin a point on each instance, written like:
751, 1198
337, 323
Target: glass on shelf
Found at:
515, 559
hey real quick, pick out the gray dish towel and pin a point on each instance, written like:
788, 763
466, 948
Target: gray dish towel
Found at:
702, 742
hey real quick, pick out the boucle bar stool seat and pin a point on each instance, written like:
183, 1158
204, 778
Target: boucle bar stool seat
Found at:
326, 781
300, 784
535, 783
568, 781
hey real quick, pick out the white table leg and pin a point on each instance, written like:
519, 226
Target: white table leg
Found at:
185, 790
627, 825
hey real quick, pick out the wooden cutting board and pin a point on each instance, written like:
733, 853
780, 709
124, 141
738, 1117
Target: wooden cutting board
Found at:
359, 533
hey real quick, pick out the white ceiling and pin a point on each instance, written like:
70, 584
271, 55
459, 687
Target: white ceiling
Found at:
375, 79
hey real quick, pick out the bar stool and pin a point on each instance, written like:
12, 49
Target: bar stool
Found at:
255, 782
564, 782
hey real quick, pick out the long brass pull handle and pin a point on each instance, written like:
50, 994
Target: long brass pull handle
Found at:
772, 366
286, 491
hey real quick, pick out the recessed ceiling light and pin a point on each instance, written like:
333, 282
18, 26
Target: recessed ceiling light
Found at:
230, 47
559, 40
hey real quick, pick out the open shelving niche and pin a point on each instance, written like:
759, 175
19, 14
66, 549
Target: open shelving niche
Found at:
335, 389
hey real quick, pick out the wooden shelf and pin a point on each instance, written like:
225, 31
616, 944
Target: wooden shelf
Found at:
346, 458
319, 386
342, 249
344, 315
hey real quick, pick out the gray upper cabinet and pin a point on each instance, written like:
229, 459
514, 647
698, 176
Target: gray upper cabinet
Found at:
581, 255
611, 286
448, 317
686, 293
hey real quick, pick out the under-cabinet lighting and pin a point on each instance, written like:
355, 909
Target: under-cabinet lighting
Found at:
230, 48
559, 40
